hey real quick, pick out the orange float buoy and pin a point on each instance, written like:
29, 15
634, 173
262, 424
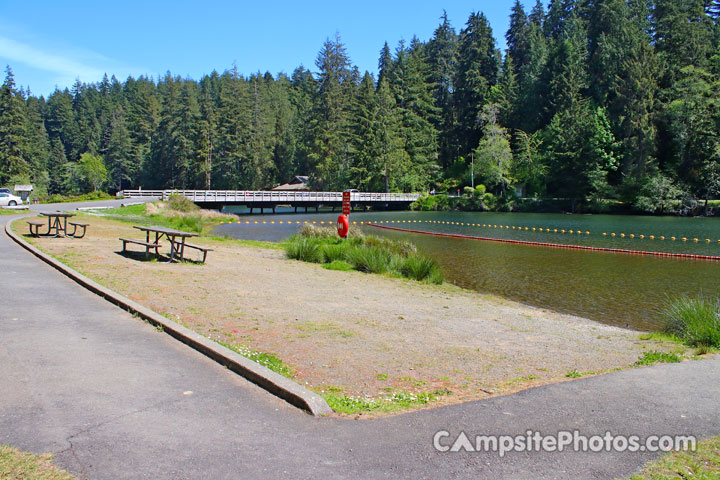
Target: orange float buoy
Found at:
343, 226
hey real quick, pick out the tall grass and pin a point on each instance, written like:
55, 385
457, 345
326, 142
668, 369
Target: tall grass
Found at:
364, 253
695, 320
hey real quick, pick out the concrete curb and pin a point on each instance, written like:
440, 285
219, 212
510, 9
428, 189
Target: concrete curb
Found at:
273, 382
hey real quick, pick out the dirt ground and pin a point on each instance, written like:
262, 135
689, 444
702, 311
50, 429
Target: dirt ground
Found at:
366, 334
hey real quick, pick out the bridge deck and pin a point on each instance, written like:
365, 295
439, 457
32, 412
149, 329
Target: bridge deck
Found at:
247, 197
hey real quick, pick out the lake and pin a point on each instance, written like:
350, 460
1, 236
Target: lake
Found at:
617, 289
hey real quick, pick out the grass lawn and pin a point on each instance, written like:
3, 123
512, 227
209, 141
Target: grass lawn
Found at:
702, 464
17, 465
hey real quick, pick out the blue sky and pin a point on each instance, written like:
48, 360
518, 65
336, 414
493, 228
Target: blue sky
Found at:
51, 43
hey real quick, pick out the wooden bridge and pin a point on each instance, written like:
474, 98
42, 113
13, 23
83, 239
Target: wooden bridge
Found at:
217, 199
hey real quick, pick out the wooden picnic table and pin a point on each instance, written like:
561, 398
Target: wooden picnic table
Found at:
175, 237
55, 223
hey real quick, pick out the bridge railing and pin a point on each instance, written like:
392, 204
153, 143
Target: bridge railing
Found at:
250, 196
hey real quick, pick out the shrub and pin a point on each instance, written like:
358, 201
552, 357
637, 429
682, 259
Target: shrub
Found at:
180, 203
695, 320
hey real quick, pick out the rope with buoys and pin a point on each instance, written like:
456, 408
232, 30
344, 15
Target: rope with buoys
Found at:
552, 245
548, 230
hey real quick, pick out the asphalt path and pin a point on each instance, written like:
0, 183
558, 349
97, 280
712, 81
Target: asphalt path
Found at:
113, 398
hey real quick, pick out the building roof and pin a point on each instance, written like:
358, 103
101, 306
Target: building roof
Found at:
23, 188
298, 182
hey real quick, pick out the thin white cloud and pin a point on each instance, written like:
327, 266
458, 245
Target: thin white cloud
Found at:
61, 65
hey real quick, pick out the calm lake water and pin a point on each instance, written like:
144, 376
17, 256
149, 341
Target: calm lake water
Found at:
618, 289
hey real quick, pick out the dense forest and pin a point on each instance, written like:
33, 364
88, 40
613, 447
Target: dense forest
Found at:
593, 101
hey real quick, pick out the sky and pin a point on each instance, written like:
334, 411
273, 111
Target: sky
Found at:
50, 44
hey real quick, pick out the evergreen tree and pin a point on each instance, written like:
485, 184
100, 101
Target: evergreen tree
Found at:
441, 56
121, 164
13, 140
330, 146
477, 72
57, 165
683, 35
413, 91
516, 36
38, 144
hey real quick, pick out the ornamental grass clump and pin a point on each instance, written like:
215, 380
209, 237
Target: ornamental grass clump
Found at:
305, 249
694, 320
364, 253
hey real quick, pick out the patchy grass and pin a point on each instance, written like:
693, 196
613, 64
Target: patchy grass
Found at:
660, 337
178, 213
265, 359
6, 211
651, 358
390, 402
15, 464
702, 464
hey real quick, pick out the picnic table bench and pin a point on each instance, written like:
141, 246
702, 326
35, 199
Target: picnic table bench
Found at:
148, 245
57, 225
75, 227
177, 239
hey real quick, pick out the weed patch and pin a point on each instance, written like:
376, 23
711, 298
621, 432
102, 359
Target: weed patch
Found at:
651, 358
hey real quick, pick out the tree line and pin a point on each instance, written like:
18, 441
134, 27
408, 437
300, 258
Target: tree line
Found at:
593, 101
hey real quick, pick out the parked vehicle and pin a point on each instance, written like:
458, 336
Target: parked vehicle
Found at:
6, 190
9, 200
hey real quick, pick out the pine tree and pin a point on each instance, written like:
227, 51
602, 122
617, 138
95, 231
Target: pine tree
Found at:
38, 142
57, 163
414, 95
330, 146
683, 35
121, 164
516, 36
385, 63
13, 140
441, 54
477, 72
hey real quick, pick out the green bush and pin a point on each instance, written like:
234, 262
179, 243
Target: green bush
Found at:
181, 203
188, 223
695, 320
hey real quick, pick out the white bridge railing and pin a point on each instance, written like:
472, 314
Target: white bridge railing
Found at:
248, 196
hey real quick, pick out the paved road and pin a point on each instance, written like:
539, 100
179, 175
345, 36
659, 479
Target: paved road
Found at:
114, 399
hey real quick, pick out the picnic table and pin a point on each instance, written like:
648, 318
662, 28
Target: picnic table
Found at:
58, 225
177, 239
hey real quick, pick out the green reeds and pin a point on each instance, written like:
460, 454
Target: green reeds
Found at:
695, 320
364, 253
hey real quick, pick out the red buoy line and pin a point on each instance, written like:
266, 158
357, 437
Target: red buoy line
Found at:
553, 245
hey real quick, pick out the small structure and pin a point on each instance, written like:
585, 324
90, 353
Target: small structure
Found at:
23, 191
297, 184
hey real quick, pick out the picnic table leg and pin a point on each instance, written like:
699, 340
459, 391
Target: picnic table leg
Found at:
65, 226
